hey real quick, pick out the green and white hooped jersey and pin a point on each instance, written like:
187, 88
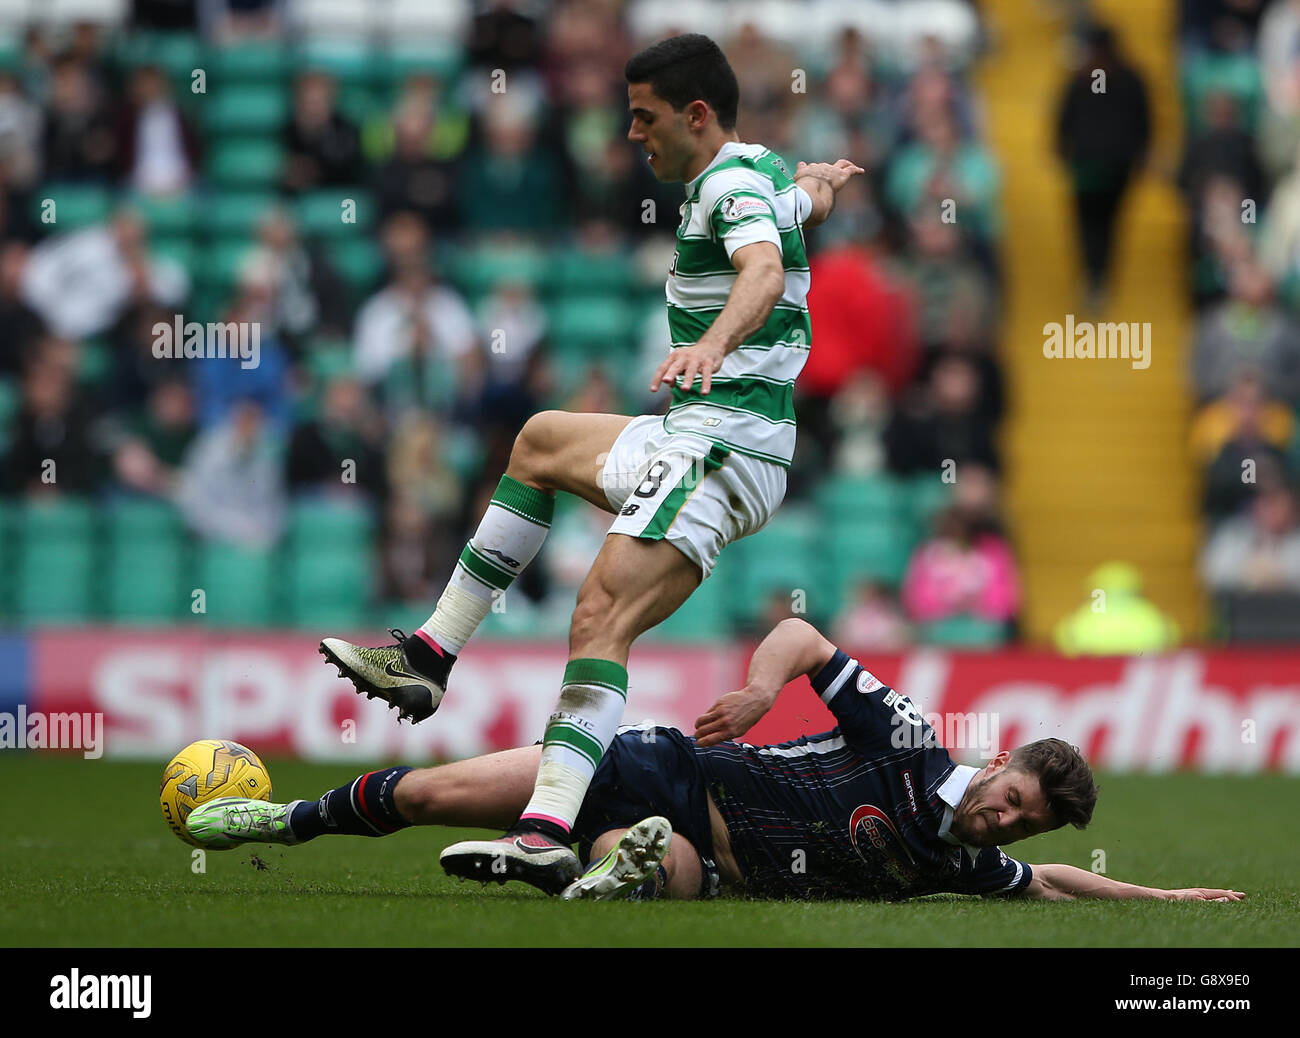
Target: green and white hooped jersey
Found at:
745, 195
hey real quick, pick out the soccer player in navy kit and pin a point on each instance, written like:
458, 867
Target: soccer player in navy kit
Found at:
873, 809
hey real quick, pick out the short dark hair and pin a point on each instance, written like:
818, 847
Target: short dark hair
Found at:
1064, 776
682, 69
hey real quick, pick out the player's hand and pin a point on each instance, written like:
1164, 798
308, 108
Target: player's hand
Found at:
685, 362
837, 174
1204, 894
731, 716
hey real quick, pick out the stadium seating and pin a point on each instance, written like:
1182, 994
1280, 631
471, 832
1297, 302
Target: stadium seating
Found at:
250, 63
9, 549
245, 163
320, 213
57, 558
168, 216
177, 53
359, 261
75, 206
245, 109
147, 556
239, 585
329, 564
234, 213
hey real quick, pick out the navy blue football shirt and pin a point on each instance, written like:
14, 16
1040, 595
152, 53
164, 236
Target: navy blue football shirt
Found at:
862, 811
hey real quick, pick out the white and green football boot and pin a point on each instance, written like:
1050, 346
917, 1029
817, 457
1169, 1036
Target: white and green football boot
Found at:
631, 862
230, 821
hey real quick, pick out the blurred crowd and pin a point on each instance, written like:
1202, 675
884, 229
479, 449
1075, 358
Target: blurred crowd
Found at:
1241, 179
504, 251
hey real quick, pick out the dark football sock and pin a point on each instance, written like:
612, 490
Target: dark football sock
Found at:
429, 658
363, 807
652, 887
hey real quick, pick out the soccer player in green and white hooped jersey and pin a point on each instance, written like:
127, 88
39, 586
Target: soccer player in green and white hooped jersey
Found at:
682, 485
745, 195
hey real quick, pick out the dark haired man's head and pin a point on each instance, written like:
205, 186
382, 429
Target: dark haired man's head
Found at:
683, 97
1034, 789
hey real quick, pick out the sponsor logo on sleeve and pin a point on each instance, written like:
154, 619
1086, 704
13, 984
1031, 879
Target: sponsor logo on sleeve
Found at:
734, 208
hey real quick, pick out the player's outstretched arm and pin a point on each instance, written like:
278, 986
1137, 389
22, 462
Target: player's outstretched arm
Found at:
793, 647
822, 180
1065, 883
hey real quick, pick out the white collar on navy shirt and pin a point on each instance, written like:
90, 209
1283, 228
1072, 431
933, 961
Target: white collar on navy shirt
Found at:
950, 792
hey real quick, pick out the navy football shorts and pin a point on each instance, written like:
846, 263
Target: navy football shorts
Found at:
645, 772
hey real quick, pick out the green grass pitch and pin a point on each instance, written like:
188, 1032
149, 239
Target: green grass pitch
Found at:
86, 860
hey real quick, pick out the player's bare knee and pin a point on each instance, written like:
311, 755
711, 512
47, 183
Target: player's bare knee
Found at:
683, 869
533, 448
424, 795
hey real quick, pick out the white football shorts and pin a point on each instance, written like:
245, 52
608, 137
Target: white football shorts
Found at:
688, 490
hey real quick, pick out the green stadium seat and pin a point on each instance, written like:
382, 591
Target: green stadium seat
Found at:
327, 359
1236, 74
8, 553
320, 213
316, 526
167, 217
55, 571
75, 206
11, 51
350, 63
146, 582
926, 495
9, 397
246, 163
605, 323
177, 52
443, 59
362, 103
782, 557
867, 497
94, 361
245, 109
239, 585
330, 563
330, 586
574, 361
250, 62
237, 213
359, 261
144, 520
480, 269
222, 261
867, 549
179, 248
578, 272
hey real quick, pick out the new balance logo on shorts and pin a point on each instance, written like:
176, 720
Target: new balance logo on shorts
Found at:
629, 509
